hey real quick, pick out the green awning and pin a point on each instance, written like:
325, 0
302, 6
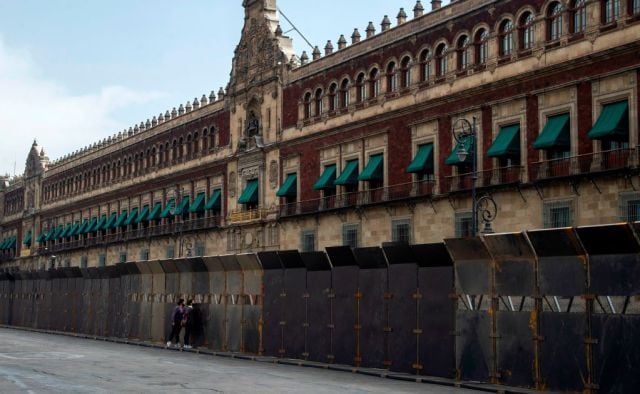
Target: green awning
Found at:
27, 240
66, 231
90, 226
214, 202
327, 179
168, 210
121, 219
74, 229
423, 161
349, 175
453, 159
198, 203
4, 243
507, 143
99, 224
82, 229
289, 187
132, 217
142, 217
374, 170
58, 232
111, 223
50, 234
183, 207
12, 243
613, 123
250, 193
555, 135
155, 212
41, 237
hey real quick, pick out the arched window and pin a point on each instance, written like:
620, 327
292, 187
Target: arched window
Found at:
318, 103
307, 105
361, 89
392, 78
481, 43
181, 147
344, 93
506, 37
374, 83
333, 97
405, 72
578, 16
425, 65
463, 52
554, 21
160, 155
119, 169
610, 11
526, 30
205, 140
153, 156
174, 150
441, 60
189, 145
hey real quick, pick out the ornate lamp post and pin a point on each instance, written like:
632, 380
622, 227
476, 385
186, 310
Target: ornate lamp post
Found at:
464, 133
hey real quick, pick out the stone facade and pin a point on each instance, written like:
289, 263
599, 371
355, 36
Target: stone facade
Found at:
388, 94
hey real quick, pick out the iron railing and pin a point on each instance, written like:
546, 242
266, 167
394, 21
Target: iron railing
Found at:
611, 160
486, 178
245, 216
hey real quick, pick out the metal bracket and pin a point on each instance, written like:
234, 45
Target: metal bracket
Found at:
520, 192
538, 190
575, 185
595, 185
451, 202
432, 206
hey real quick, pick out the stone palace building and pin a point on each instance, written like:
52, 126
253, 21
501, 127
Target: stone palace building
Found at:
353, 144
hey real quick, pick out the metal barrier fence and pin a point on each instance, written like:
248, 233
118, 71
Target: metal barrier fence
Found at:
547, 309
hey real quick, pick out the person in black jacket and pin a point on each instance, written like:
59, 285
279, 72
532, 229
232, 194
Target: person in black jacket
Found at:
177, 315
190, 323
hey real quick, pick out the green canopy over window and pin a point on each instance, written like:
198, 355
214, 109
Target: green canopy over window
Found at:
507, 143
90, 226
41, 237
4, 243
423, 161
155, 212
52, 232
66, 231
555, 135
27, 240
613, 123
289, 187
111, 223
9, 243
58, 232
168, 210
132, 217
99, 224
198, 203
349, 175
250, 193
83, 227
74, 229
183, 207
122, 219
214, 202
142, 217
454, 160
374, 170
327, 179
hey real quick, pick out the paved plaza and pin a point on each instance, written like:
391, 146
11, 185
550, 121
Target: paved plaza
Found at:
42, 363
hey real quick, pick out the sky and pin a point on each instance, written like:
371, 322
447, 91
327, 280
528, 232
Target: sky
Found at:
73, 72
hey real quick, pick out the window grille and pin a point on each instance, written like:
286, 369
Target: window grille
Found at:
171, 251
463, 224
350, 235
558, 214
84, 261
67, 263
102, 260
629, 207
144, 255
401, 231
199, 249
308, 241
123, 257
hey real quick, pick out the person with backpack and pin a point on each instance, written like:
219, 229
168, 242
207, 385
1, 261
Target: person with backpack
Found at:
177, 315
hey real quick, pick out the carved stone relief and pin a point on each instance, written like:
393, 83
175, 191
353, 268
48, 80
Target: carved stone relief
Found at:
232, 184
273, 174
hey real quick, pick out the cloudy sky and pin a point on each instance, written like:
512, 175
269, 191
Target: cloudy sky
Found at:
75, 71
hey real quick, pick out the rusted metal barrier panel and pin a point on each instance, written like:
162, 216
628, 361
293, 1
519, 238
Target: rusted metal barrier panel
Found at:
344, 304
475, 359
402, 299
273, 303
146, 297
372, 327
318, 333
294, 314
161, 303
133, 295
562, 282
516, 329
252, 302
233, 298
215, 326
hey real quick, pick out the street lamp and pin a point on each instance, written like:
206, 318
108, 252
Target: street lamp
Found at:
464, 133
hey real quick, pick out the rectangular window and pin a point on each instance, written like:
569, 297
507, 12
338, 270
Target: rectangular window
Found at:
84, 261
144, 255
308, 241
123, 257
67, 263
401, 231
463, 224
350, 235
558, 214
629, 207
171, 251
199, 249
102, 260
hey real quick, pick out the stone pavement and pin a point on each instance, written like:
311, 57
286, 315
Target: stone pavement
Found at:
33, 362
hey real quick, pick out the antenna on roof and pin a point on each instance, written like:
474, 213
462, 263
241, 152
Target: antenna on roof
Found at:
294, 28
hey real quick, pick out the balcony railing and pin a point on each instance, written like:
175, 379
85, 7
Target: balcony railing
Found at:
486, 178
373, 196
245, 216
610, 160
140, 233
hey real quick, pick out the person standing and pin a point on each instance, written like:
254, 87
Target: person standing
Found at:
188, 321
176, 322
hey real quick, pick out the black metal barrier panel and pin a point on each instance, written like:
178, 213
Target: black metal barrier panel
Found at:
294, 314
475, 358
214, 321
562, 281
614, 278
251, 302
233, 318
273, 303
319, 303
